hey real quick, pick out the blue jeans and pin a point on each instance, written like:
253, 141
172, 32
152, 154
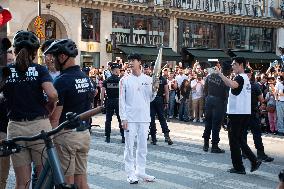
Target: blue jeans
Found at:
183, 110
214, 114
172, 102
280, 116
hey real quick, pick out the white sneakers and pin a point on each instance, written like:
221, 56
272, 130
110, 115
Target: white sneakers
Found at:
194, 121
132, 180
145, 177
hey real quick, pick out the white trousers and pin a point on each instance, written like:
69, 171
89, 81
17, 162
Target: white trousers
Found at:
141, 131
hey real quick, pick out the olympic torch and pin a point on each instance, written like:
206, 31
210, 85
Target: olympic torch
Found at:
157, 71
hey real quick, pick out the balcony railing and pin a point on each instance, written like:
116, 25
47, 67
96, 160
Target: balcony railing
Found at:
247, 8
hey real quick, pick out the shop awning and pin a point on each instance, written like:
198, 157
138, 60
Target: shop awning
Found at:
257, 57
207, 54
150, 53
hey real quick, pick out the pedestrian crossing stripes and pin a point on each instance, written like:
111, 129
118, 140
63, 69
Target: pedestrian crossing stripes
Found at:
176, 167
183, 165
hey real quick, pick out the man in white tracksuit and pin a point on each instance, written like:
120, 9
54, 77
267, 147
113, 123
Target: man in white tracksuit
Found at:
135, 95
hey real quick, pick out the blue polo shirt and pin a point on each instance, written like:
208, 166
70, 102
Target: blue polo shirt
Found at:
75, 91
24, 93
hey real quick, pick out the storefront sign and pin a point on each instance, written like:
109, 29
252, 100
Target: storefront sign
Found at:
90, 47
39, 27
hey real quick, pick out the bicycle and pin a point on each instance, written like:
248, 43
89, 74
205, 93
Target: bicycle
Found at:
51, 175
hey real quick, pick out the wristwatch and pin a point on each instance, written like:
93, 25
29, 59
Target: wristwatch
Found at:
281, 176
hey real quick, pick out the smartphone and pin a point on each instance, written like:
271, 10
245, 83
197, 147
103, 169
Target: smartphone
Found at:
211, 70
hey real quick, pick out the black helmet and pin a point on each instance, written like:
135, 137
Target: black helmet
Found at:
63, 46
26, 39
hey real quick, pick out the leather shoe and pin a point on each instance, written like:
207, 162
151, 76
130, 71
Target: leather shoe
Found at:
107, 139
233, 170
154, 142
255, 165
265, 158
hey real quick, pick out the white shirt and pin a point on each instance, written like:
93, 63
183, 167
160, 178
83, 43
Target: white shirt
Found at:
279, 88
135, 95
170, 82
198, 91
240, 104
180, 79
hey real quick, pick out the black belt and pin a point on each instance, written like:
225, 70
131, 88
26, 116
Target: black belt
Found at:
28, 118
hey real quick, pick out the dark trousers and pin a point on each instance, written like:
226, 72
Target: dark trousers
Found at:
236, 127
111, 107
214, 114
157, 108
254, 126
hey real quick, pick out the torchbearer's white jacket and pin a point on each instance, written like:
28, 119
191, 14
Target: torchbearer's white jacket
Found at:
135, 95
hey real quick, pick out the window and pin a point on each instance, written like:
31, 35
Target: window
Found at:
249, 38
261, 39
236, 36
90, 25
140, 30
120, 21
198, 34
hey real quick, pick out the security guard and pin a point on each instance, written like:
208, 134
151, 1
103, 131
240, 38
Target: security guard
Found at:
75, 94
216, 94
157, 106
111, 86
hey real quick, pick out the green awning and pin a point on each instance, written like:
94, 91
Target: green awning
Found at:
257, 57
150, 53
205, 54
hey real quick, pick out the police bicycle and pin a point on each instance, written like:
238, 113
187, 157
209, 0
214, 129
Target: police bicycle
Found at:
51, 174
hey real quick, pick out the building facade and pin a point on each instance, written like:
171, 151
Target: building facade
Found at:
105, 30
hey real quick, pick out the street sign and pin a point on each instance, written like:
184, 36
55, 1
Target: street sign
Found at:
38, 22
39, 33
39, 27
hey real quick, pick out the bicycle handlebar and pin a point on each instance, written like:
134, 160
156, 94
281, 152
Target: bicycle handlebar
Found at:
8, 147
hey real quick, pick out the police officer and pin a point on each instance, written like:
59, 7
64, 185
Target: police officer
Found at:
146, 69
216, 94
111, 87
75, 92
157, 107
